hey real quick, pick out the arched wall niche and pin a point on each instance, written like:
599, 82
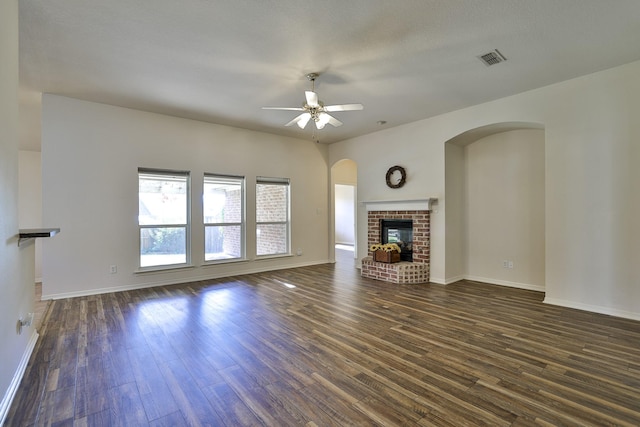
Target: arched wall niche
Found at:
495, 205
473, 135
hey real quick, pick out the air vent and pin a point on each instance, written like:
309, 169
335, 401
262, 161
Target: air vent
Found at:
492, 58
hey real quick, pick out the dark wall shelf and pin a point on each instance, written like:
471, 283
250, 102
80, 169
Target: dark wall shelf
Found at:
27, 234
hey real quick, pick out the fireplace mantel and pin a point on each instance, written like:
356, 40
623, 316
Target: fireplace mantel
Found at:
395, 205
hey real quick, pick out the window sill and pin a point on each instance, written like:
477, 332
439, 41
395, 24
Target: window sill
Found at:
261, 257
163, 268
177, 267
223, 261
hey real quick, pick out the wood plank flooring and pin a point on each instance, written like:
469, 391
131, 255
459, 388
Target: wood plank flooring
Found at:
320, 346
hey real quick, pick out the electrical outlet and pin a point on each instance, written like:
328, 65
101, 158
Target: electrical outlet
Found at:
505, 264
24, 322
299, 252
510, 264
113, 269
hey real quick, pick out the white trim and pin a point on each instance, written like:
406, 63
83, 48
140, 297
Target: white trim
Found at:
518, 285
593, 308
400, 205
166, 282
163, 267
17, 378
498, 282
451, 280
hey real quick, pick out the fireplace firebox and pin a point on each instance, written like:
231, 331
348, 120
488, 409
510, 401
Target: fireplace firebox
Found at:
400, 232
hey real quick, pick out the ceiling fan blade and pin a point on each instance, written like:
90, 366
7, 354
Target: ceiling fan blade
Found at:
344, 107
312, 99
324, 118
304, 120
321, 120
284, 108
333, 121
300, 120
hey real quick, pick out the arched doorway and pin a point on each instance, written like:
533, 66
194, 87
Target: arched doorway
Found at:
344, 177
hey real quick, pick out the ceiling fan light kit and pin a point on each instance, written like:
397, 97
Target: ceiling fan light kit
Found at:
314, 109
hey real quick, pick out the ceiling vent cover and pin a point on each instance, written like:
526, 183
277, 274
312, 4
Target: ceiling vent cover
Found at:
492, 58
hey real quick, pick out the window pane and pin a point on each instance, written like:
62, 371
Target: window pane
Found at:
272, 202
162, 199
271, 239
222, 242
163, 246
222, 200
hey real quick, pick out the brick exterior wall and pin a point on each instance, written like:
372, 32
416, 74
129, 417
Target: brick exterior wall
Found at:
273, 237
232, 243
401, 272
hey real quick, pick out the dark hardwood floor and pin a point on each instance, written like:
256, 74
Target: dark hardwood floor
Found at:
320, 346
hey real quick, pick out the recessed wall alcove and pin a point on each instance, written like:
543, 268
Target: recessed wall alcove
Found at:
495, 205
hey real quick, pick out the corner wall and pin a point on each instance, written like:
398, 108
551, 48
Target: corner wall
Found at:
16, 263
591, 180
455, 224
30, 199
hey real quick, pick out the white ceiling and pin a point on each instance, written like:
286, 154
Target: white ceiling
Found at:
222, 60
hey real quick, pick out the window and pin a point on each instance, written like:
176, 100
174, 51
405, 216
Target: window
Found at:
272, 216
163, 217
223, 216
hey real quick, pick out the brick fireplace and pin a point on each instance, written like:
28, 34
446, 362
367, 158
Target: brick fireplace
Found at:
401, 272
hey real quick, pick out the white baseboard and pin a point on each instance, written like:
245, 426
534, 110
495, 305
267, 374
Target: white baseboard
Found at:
489, 281
5, 405
450, 280
164, 282
507, 283
593, 308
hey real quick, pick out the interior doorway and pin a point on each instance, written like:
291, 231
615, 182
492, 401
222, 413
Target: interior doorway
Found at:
345, 233
344, 190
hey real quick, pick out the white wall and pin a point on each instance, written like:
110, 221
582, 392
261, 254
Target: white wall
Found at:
90, 157
504, 209
592, 200
30, 199
16, 263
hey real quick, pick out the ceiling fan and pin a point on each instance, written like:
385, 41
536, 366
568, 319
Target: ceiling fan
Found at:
314, 109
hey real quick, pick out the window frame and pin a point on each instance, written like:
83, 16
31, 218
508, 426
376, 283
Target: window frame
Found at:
151, 172
286, 182
243, 242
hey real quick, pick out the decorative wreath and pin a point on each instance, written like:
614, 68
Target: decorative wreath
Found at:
403, 176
